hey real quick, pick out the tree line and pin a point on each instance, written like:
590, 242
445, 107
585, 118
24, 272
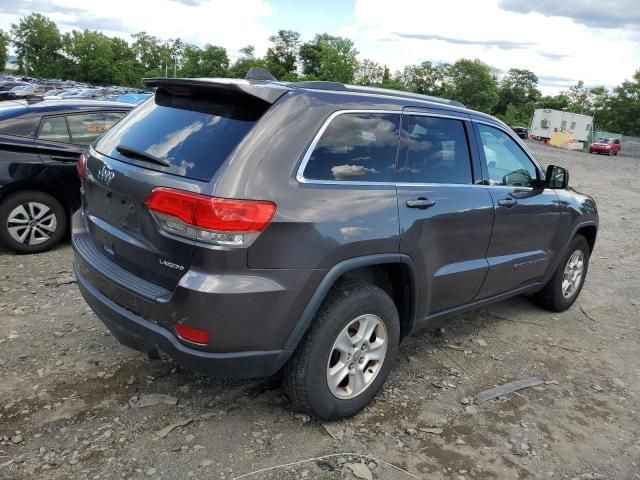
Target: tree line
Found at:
92, 57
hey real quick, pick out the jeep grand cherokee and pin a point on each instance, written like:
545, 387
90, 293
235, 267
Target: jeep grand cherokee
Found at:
248, 227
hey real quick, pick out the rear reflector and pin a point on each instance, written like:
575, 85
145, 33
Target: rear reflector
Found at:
215, 220
191, 334
81, 166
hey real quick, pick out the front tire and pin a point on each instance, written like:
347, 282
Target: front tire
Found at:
567, 281
31, 222
347, 354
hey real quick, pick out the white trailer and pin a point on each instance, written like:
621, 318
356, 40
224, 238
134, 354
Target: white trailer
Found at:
546, 121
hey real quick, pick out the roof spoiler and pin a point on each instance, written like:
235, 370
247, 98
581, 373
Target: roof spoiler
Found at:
264, 91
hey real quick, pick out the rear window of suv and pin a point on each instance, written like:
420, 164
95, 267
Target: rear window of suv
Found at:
357, 147
193, 133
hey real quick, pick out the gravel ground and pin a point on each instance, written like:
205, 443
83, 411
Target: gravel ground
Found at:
72, 400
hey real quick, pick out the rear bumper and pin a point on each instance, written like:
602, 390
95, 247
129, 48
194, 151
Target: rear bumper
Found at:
140, 334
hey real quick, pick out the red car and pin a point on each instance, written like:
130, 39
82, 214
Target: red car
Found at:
610, 146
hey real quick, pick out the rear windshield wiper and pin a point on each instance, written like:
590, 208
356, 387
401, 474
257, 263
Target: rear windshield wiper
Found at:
133, 153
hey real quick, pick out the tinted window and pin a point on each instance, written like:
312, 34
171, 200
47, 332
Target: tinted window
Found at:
13, 124
437, 151
506, 163
86, 127
194, 133
55, 129
356, 147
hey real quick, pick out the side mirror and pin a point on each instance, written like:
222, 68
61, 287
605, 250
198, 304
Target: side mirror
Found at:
557, 177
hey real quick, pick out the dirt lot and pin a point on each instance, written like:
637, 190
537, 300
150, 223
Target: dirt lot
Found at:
72, 399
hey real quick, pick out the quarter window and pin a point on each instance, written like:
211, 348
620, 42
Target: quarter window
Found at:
505, 161
86, 127
356, 147
437, 151
21, 127
54, 129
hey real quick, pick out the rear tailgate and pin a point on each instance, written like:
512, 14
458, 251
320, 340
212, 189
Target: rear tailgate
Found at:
180, 137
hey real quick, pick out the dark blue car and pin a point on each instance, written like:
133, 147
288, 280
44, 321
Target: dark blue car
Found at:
40, 144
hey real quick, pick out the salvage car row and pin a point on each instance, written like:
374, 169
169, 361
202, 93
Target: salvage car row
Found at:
14, 88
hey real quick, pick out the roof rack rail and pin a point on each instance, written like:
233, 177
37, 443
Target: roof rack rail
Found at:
318, 85
341, 87
402, 94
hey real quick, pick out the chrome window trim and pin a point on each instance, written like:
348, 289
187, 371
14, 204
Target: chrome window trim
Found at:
438, 115
305, 159
433, 185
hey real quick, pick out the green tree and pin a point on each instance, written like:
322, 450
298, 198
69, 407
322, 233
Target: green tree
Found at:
127, 70
621, 109
149, 53
38, 42
214, 61
519, 88
328, 57
578, 96
4, 49
426, 78
192, 57
248, 59
392, 82
554, 102
369, 73
282, 55
92, 56
474, 84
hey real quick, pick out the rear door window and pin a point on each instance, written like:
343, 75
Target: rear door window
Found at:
193, 133
437, 151
54, 129
356, 147
86, 127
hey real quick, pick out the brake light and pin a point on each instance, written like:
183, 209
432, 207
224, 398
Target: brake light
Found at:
220, 221
81, 166
191, 334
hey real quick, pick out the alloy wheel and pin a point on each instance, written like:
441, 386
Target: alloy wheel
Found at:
357, 356
32, 223
573, 272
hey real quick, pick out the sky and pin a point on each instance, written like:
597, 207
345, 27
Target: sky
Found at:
561, 41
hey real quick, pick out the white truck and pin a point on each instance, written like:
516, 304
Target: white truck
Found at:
546, 121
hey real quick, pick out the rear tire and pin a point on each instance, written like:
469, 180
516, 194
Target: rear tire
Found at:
567, 281
347, 354
31, 221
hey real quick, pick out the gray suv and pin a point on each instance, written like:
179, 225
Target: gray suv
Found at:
248, 227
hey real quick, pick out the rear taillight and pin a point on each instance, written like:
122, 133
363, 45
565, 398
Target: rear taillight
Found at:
81, 166
190, 334
219, 221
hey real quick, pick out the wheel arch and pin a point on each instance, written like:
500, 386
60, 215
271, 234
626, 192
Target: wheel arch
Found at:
395, 273
589, 232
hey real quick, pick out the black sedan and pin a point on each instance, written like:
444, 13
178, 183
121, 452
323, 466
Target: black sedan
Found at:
40, 144
522, 132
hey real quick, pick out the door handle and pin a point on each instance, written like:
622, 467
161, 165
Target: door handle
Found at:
421, 203
507, 202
